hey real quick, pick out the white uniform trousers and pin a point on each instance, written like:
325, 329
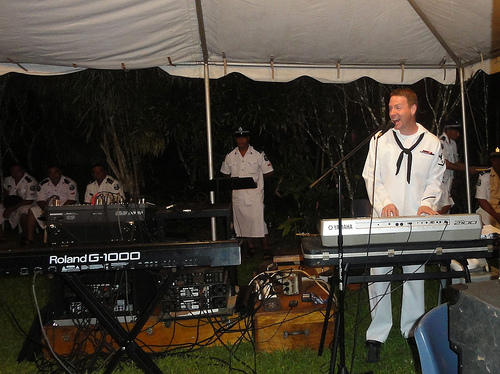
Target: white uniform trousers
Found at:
249, 221
412, 308
15, 217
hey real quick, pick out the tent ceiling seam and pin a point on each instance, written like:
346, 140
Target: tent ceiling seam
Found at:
481, 58
201, 30
434, 32
336, 66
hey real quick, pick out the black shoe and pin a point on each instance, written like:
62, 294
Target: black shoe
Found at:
411, 341
373, 351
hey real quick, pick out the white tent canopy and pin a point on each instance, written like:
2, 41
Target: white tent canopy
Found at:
334, 41
392, 41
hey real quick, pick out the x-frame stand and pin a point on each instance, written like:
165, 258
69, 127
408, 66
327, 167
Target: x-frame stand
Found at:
124, 338
344, 279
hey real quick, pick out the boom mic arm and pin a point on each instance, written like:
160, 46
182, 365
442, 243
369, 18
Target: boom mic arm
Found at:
389, 125
381, 130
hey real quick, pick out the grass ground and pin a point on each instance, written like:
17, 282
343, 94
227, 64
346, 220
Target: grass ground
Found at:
18, 311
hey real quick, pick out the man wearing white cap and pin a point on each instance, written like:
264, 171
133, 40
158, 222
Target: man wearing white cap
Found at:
248, 204
449, 146
448, 140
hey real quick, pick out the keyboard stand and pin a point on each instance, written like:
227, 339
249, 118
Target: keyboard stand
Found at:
125, 339
344, 279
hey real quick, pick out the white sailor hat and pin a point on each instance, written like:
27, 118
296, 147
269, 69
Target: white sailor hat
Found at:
241, 132
453, 124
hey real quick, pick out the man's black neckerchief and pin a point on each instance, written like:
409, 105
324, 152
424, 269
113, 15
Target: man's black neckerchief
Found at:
408, 152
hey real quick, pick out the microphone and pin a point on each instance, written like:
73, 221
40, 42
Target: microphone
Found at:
389, 125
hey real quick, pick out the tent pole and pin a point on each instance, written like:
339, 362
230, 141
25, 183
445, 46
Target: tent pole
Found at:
466, 157
209, 144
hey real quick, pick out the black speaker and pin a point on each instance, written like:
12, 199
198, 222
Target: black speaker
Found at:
475, 326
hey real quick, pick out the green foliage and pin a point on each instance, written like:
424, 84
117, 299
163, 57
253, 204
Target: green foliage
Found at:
151, 128
290, 226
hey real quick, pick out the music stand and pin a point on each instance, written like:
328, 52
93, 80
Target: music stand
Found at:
228, 184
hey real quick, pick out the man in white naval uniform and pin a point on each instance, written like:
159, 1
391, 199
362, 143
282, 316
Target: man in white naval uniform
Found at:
449, 147
57, 189
22, 186
488, 192
450, 154
104, 189
404, 179
248, 204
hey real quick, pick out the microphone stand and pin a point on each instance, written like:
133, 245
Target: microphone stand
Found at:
384, 129
339, 332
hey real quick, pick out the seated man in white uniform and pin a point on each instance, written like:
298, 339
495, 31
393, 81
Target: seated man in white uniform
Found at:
57, 189
19, 191
104, 189
248, 204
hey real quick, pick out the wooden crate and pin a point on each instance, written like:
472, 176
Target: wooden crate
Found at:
158, 336
291, 327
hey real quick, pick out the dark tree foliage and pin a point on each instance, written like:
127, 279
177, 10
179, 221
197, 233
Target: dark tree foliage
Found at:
150, 128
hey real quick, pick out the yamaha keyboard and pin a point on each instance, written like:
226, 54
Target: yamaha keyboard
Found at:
403, 229
315, 254
84, 258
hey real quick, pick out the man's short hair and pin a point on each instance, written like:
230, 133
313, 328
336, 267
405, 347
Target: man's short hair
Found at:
410, 95
16, 165
98, 164
53, 165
